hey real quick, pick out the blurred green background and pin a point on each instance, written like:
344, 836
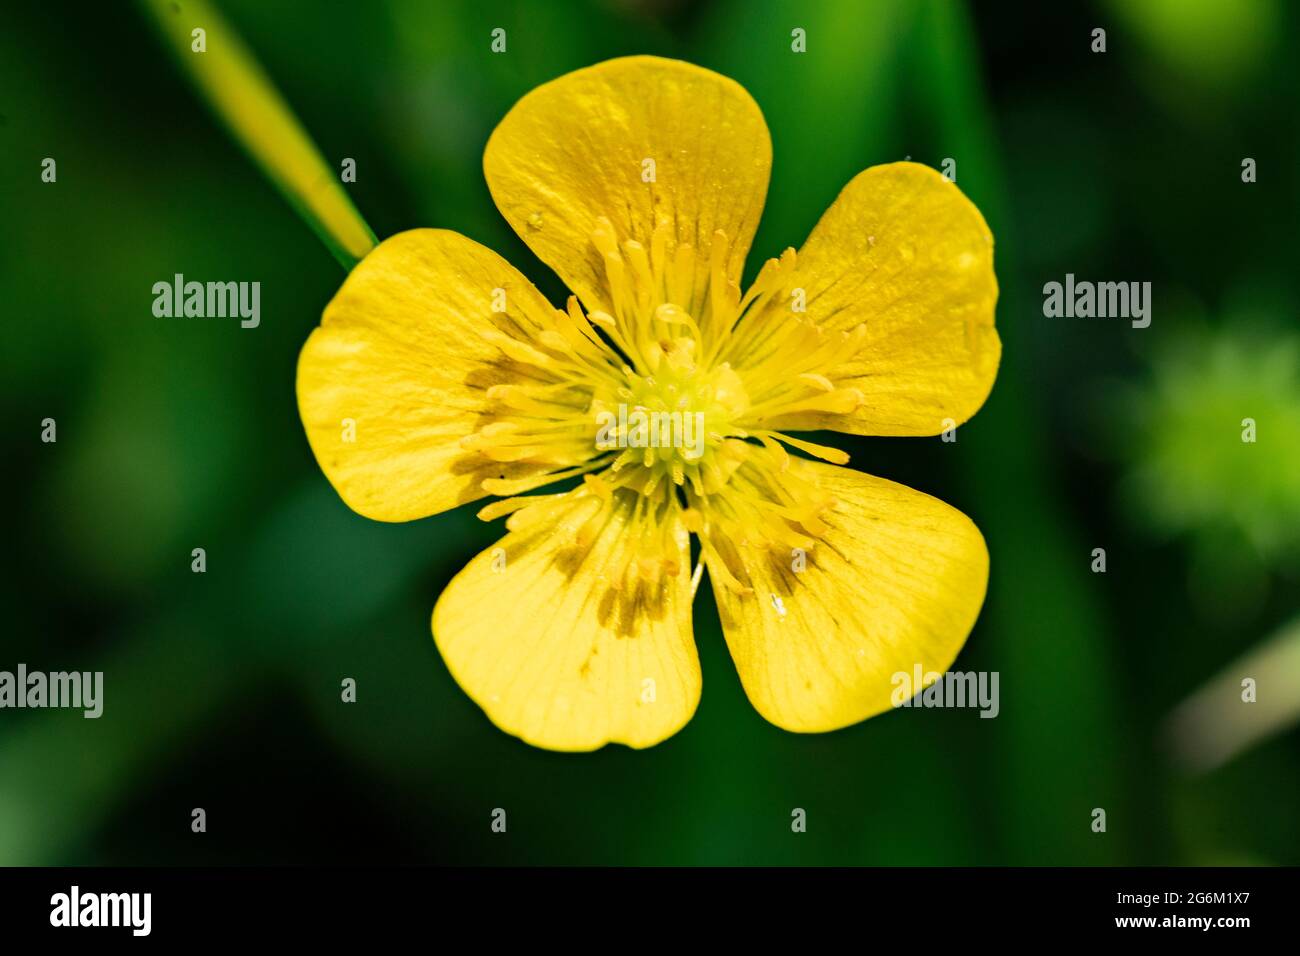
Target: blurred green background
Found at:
222, 689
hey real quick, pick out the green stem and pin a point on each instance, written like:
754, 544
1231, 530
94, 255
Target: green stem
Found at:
243, 96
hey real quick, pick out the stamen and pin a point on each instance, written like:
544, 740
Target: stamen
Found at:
668, 391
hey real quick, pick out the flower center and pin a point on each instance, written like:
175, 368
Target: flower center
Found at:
668, 420
651, 388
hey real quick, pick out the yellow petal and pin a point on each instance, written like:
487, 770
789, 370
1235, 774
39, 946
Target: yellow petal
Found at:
904, 253
897, 581
397, 374
537, 633
582, 147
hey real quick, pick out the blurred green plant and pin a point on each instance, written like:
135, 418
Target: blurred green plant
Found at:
1215, 441
1210, 42
1251, 699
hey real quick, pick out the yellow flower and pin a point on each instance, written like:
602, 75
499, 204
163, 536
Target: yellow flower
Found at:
439, 375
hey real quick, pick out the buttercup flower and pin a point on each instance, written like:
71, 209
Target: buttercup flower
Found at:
439, 375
